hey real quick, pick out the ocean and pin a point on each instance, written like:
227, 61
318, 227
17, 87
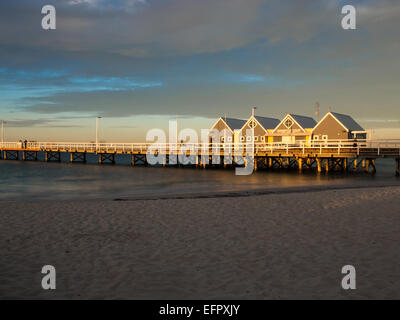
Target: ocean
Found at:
64, 181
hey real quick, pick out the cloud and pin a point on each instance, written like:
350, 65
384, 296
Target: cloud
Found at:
106, 4
45, 123
160, 28
195, 57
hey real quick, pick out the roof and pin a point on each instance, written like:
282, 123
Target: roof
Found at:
305, 122
234, 124
347, 122
267, 123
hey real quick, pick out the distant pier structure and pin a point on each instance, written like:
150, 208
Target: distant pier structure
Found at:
336, 143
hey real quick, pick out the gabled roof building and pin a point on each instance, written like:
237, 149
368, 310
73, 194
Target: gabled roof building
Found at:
262, 126
337, 126
294, 127
228, 124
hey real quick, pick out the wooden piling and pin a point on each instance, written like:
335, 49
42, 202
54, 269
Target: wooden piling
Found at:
366, 165
397, 167
300, 164
373, 167
319, 165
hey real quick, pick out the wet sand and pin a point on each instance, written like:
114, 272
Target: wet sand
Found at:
258, 246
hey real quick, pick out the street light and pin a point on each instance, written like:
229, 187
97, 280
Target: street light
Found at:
97, 131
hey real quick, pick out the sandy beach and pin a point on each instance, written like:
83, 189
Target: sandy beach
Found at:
273, 246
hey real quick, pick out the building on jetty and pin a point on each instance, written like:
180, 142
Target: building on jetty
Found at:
232, 125
337, 126
291, 129
294, 128
262, 129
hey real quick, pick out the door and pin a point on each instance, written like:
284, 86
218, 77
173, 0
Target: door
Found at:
289, 139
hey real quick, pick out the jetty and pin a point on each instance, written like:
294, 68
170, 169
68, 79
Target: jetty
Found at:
321, 156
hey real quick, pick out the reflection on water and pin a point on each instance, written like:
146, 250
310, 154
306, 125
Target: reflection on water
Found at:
38, 180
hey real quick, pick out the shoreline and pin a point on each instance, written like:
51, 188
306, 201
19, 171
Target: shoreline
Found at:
261, 192
226, 194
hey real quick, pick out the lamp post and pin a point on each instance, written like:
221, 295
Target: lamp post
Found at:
97, 132
253, 111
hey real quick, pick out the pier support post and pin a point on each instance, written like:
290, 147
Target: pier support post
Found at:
327, 164
78, 157
373, 167
300, 164
397, 167
224, 163
345, 164
366, 164
11, 155
106, 158
319, 165
355, 164
30, 155
52, 156
164, 161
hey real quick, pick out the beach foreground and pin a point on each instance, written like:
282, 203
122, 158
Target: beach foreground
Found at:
276, 246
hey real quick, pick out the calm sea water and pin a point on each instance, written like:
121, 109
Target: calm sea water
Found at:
39, 180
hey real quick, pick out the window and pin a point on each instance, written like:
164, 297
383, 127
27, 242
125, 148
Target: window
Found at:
288, 123
263, 139
242, 139
252, 124
248, 138
229, 139
222, 139
316, 137
256, 138
324, 137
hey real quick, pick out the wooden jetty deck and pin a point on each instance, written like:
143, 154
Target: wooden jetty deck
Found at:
328, 155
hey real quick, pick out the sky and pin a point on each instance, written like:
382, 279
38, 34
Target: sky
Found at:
140, 63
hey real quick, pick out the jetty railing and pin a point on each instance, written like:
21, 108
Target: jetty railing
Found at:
301, 146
